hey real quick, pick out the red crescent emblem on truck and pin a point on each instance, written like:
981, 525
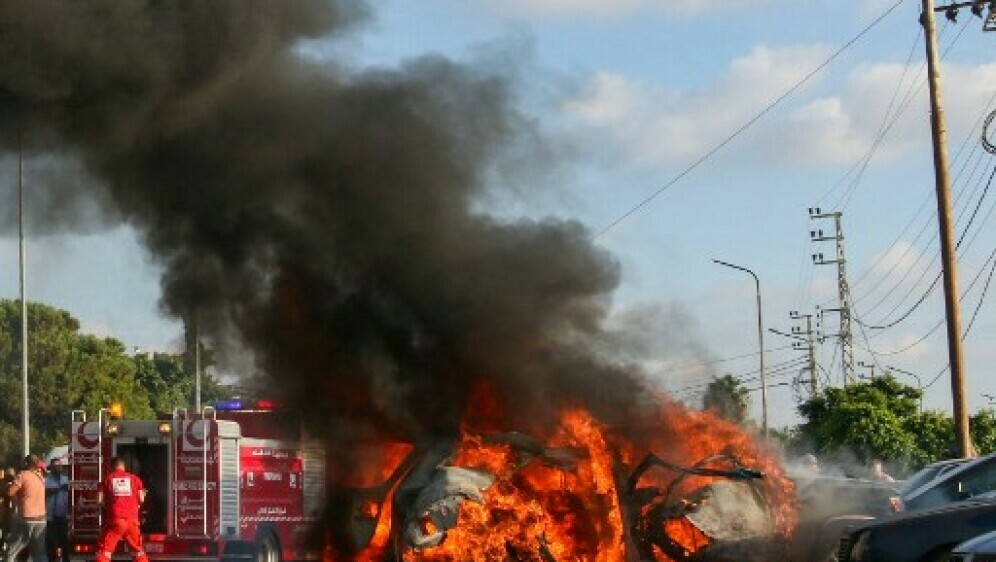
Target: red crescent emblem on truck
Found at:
195, 434
81, 437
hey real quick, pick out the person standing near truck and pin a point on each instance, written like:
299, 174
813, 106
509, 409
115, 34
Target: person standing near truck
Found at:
57, 507
122, 494
27, 528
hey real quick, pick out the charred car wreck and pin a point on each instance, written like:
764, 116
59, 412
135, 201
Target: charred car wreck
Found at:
726, 519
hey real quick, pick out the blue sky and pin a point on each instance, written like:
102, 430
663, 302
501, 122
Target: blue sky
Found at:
632, 92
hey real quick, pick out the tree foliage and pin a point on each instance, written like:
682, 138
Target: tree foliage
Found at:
875, 419
727, 397
982, 427
881, 419
69, 370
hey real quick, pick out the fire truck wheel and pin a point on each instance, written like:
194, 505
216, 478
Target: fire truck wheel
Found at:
267, 549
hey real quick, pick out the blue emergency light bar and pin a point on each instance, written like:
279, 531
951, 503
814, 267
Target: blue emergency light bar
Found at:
228, 405
236, 404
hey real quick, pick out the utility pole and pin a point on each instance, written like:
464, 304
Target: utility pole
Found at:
945, 217
870, 367
810, 346
977, 7
25, 405
843, 290
197, 363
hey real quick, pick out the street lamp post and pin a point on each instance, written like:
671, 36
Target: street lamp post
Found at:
919, 383
760, 345
25, 404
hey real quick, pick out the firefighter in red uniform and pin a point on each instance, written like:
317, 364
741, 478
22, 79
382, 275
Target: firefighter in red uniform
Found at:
122, 494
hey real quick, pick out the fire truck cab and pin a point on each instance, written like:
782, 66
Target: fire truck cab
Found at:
235, 482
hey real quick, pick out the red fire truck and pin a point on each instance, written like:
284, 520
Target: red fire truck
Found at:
235, 482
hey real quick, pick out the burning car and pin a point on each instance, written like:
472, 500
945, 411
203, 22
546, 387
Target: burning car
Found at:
576, 494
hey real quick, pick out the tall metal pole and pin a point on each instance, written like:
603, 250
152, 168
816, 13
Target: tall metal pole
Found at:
844, 333
25, 413
946, 224
814, 379
810, 342
760, 345
197, 363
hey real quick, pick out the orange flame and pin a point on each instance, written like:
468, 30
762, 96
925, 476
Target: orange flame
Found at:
544, 510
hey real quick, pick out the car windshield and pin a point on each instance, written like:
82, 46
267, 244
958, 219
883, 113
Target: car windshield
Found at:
927, 474
968, 480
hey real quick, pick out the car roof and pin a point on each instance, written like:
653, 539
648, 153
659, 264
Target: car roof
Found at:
929, 473
953, 473
967, 508
984, 543
949, 461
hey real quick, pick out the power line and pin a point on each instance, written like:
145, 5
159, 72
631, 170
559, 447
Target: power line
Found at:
728, 359
845, 198
903, 107
886, 127
968, 329
941, 323
745, 377
924, 229
750, 123
982, 299
885, 325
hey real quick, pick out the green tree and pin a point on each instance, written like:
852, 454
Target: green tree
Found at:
934, 433
67, 371
983, 430
727, 397
170, 384
875, 419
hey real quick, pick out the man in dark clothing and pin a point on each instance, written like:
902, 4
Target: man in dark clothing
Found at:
6, 507
122, 494
57, 508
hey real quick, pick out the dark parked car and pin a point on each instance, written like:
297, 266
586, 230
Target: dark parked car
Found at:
827, 505
929, 473
972, 478
919, 536
979, 549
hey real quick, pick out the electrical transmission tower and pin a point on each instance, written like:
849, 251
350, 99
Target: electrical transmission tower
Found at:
843, 291
807, 341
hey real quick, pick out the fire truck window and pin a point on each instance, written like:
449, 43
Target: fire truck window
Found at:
150, 462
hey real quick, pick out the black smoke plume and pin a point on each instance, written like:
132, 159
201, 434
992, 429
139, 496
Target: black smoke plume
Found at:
320, 214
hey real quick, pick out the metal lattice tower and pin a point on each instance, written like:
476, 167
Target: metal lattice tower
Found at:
807, 342
843, 290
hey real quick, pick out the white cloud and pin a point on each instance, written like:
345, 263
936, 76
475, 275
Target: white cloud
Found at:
654, 125
901, 256
611, 8
839, 130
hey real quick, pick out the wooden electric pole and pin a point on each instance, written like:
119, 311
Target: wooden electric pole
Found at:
945, 218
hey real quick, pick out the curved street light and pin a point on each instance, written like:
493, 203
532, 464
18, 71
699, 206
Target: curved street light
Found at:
760, 344
919, 384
